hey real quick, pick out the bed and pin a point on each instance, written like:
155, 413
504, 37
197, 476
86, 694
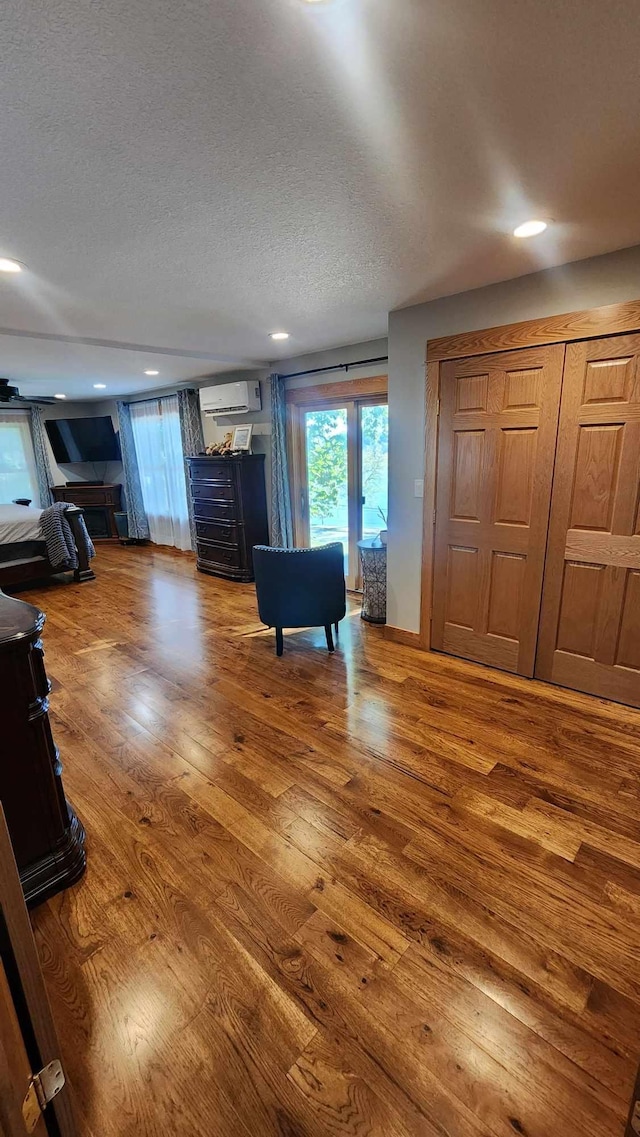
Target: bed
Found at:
23, 550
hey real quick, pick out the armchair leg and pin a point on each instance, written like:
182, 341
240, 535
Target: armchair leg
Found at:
279, 642
327, 631
337, 628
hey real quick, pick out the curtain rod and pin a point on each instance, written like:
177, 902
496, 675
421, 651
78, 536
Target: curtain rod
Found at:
336, 367
130, 402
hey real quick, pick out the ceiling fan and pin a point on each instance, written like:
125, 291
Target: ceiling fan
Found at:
9, 394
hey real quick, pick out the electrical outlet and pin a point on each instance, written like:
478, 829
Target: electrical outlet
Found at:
418, 487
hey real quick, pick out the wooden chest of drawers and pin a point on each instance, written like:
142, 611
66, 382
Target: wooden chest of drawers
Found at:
230, 511
47, 838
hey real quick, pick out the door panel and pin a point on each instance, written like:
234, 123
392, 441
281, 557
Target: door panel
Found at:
516, 468
507, 573
373, 438
15, 1068
496, 445
28, 1039
327, 477
339, 462
462, 586
590, 621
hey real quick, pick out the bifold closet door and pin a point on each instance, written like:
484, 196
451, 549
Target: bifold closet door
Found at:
590, 622
496, 446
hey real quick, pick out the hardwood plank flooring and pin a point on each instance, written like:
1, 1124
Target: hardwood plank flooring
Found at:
376, 893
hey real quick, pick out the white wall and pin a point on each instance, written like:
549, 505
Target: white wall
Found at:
584, 284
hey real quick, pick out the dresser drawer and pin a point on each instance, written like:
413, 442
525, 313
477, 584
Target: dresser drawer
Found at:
93, 495
221, 532
212, 491
215, 510
204, 470
227, 556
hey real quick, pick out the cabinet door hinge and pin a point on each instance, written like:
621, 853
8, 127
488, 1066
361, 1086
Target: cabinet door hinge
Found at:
43, 1087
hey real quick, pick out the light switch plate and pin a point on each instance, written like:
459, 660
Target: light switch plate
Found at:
418, 487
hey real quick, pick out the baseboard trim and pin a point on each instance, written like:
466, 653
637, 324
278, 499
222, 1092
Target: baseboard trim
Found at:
400, 636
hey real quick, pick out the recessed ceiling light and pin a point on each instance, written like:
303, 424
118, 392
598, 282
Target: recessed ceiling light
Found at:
279, 335
7, 265
152, 372
530, 229
99, 386
59, 396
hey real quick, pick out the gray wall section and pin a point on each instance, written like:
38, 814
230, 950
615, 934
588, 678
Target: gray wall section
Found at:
215, 429
608, 279
81, 471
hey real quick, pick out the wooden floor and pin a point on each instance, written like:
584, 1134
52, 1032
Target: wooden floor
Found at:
375, 893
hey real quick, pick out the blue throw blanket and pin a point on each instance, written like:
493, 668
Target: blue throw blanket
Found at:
59, 538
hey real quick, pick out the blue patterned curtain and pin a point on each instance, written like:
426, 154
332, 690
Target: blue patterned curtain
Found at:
138, 524
281, 518
43, 470
192, 440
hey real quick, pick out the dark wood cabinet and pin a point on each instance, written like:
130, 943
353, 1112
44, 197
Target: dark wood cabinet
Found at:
230, 512
99, 503
47, 838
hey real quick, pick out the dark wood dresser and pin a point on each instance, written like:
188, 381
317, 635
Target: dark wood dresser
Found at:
230, 511
99, 503
47, 838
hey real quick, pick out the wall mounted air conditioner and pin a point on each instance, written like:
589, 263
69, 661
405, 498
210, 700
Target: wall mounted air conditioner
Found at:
230, 398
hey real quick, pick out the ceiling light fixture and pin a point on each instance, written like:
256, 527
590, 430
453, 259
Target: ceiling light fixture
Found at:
279, 335
99, 386
530, 229
59, 396
7, 265
152, 372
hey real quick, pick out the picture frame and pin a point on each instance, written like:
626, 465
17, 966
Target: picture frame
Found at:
242, 437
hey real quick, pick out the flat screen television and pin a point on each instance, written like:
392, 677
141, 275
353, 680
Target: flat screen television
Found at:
83, 439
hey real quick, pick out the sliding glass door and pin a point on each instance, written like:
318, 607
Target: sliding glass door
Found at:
327, 477
340, 449
374, 467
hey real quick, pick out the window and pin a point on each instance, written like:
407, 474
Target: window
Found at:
158, 441
17, 460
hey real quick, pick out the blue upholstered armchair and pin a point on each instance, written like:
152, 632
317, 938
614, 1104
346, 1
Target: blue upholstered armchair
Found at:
300, 588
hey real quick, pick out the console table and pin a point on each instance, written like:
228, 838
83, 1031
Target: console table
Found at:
99, 501
373, 558
47, 838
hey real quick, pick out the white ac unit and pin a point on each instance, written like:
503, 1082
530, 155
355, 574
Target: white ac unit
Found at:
230, 398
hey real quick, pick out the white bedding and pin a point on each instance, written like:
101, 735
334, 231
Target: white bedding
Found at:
19, 523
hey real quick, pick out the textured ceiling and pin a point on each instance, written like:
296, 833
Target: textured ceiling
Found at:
189, 177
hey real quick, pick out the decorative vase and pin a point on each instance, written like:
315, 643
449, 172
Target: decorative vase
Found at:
383, 536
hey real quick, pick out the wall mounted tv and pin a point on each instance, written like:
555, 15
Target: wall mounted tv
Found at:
83, 439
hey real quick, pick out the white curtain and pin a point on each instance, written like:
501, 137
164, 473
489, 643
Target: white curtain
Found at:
158, 442
18, 475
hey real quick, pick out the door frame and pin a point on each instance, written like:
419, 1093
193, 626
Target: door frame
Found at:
327, 396
592, 323
28, 986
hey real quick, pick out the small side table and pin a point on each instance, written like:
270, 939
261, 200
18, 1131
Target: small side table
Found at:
373, 558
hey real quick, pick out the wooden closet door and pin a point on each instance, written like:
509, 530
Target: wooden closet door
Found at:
590, 623
496, 445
